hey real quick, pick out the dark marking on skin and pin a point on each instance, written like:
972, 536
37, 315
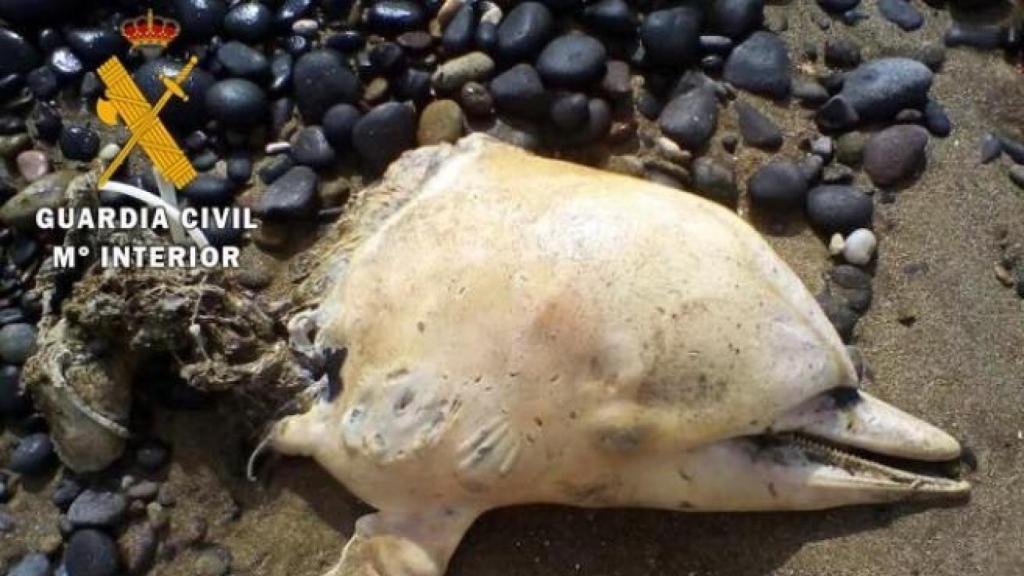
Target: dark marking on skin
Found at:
403, 402
682, 474
333, 362
397, 373
771, 490
421, 326
684, 505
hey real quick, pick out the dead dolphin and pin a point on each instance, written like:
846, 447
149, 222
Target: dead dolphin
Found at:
522, 330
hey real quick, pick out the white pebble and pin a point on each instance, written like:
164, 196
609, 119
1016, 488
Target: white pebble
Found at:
109, 152
836, 244
33, 165
492, 13
860, 247
278, 147
305, 27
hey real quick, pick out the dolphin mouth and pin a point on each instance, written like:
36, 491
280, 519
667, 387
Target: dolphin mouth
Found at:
840, 466
848, 439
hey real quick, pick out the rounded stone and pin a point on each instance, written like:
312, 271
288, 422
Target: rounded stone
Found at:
311, 148
290, 197
237, 103
778, 185
200, 19
384, 133
859, 247
839, 208
691, 118
97, 510
572, 61
880, 89
395, 16
179, 114
737, 18
17, 343
760, 65
613, 17
338, 124
31, 565
322, 79
243, 61
248, 21
33, 455
440, 121
570, 112
896, 154
524, 31
519, 91
91, 553
78, 142
671, 37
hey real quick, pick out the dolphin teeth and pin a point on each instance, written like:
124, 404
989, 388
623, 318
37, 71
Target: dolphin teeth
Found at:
841, 458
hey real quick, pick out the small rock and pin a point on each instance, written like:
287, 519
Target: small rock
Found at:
715, 181
690, 119
1017, 175
33, 165
441, 121
311, 148
838, 6
248, 21
65, 493
837, 115
756, 128
991, 148
79, 142
519, 91
671, 37
109, 152
570, 111
823, 146
843, 318
836, 244
395, 16
91, 553
237, 103
736, 18
47, 192
836, 208
200, 19
901, 13
13, 398
572, 61
384, 133
213, 562
842, 52
809, 93
896, 154
138, 547
152, 456
612, 17
850, 148
97, 510
209, 190
455, 73
760, 65
879, 89
290, 197
321, 79
31, 565
524, 31
242, 61
339, 122
777, 185
936, 119
460, 31
33, 455
860, 247
17, 343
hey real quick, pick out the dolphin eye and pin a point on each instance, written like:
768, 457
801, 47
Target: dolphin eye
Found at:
844, 396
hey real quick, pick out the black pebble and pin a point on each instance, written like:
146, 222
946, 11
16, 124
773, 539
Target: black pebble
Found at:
65, 493
209, 190
572, 61
248, 21
524, 31
31, 11
612, 17
395, 16
322, 79
33, 455
837, 115
338, 124
757, 129
838, 6
276, 167
901, 13
43, 83
243, 61
239, 168
520, 91
690, 119
290, 197
91, 553
760, 65
281, 72
991, 148
95, 45
237, 103
13, 400
737, 18
200, 19
311, 148
79, 142
152, 456
936, 119
842, 52
291, 10
182, 115
17, 55
975, 36
345, 41
570, 111
842, 209
460, 33
1013, 149
778, 185
384, 133
672, 37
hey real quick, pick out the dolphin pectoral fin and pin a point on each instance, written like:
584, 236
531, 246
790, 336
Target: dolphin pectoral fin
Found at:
392, 544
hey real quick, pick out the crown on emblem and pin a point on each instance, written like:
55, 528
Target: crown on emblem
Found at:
150, 31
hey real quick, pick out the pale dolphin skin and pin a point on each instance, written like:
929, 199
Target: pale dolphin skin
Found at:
524, 330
